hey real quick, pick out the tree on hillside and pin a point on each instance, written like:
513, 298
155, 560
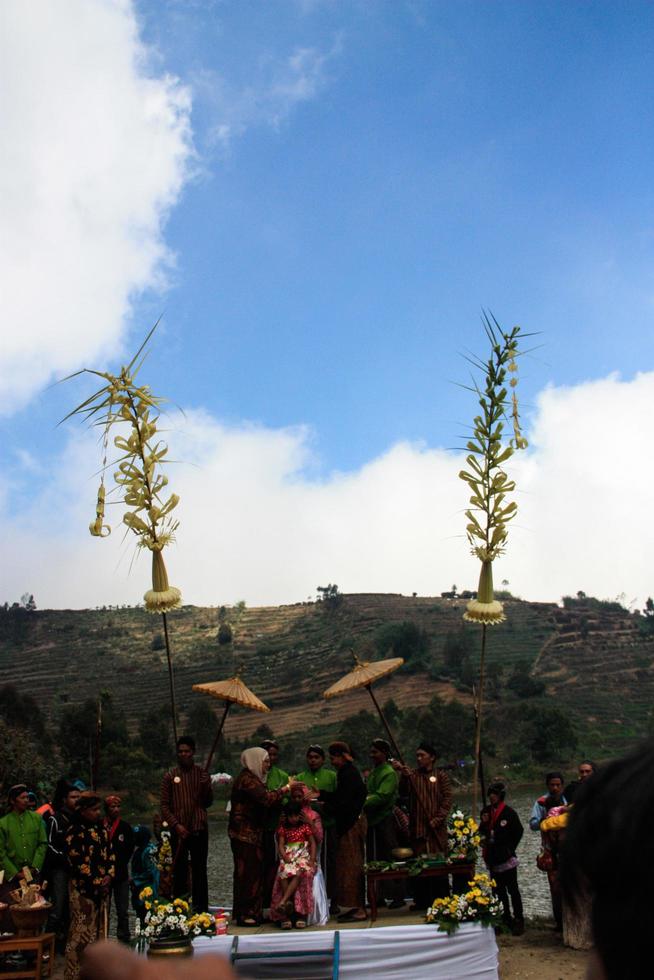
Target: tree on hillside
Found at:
225, 634
78, 734
329, 596
648, 616
522, 684
155, 736
448, 724
456, 647
21, 710
25, 759
545, 732
405, 640
360, 729
229, 618
261, 732
202, 724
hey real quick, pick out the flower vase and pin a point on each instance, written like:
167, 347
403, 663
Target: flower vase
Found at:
172, 946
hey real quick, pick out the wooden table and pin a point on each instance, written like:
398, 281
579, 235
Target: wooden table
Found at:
45, 943
437, 871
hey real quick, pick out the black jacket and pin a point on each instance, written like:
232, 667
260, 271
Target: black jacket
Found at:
122, 844
346, 802
500, 841
57, 826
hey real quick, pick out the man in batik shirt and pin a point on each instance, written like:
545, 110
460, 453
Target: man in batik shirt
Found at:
91, 863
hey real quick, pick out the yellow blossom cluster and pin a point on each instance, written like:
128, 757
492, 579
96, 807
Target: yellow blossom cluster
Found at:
476, 904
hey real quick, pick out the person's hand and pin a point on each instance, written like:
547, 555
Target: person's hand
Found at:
435, 823
109, 960
181, 831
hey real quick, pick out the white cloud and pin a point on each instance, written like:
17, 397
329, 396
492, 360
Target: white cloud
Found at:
255, 526
279, 85
96, 150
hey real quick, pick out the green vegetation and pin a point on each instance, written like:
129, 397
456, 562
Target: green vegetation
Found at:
561, 682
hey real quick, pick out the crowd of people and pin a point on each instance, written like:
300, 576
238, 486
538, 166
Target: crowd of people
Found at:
299, 842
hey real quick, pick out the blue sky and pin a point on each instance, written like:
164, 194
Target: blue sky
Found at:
344, 186
454, 156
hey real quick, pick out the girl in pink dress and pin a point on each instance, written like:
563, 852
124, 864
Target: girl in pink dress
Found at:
300, 793
293, 888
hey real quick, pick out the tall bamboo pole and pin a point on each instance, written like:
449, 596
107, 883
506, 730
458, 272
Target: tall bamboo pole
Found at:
479, 705
489, 513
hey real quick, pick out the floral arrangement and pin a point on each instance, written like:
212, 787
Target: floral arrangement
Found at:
479, 904
164, 853
462, 837
171, 920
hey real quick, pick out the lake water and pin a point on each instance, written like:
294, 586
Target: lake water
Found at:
533, 883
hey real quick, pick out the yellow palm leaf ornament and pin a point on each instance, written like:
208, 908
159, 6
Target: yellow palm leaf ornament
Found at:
138, 477
131, 411
490, 511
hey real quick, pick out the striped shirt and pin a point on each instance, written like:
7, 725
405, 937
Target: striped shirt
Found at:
185, 796
430, 798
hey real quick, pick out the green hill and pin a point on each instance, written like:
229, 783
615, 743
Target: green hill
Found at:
591, 663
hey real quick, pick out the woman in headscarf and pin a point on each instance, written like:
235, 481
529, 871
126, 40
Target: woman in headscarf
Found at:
430, 799
251, 802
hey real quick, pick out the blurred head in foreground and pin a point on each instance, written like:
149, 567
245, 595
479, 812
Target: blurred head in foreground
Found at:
608, 853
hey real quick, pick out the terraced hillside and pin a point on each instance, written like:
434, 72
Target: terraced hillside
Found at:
600, 666
289, 654
595, 663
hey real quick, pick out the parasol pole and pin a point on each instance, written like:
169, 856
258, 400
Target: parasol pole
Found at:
391, 737
171, 677
228, 705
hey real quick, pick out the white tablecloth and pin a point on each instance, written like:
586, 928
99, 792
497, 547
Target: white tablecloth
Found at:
384, 953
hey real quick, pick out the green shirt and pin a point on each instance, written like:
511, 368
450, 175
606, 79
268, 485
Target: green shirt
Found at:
382, 793
23, 842
320, 779
275, 779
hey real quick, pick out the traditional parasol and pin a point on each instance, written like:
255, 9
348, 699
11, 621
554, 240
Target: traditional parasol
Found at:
232, 691
363, 675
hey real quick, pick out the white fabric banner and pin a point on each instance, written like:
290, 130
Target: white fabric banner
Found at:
384, 952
